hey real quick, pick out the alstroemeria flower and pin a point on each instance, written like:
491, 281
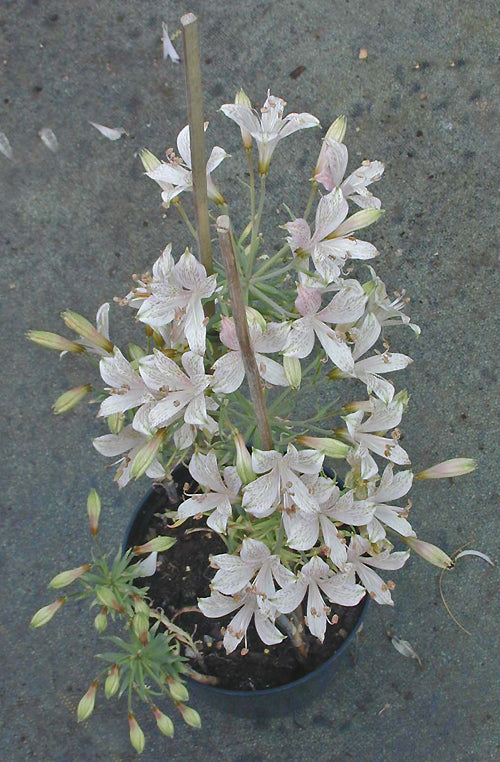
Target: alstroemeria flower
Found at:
345, 307
302, 529
268, 129
181, 395
315, 578
392, 487
387, 312
382, 418
127, 443
262, 496
221, 492
330, 172
175, 175
332, 243
175, 294
254, 562
363, 564
229, 370
126, 388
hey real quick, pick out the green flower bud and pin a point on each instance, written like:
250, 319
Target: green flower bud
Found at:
242, 99
177, 690
101, 620
243, 460
160, 544
136, 352
147, 454
149, 160
333, 448
68, 400
137, 738
93, 511
54, 341
428, 552
112, 681
336, 130
293, 371
84, 328
165, 724
67, 577
107, 597
448, 469
190, 716
140, 626
115, 422
87, 702
46, 613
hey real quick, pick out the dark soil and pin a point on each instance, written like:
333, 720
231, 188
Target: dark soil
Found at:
184, 575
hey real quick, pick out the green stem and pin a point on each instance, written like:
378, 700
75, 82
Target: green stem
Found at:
184, 216
270, 262
254, 241
276, 307
310, 199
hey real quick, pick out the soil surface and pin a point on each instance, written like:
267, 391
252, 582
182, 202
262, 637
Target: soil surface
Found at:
184, 574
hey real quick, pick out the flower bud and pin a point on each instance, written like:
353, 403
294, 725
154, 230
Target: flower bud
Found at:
243, 461
242, 99
86, 330
293, 371
158, 544
353, 407
115, 422
332, 448
112, 681
149, 160
177, 690
107, 597
68, 400
136, 352
190, 716
255, 318
46, 613
137, 738
101, 620
428, 552
336, 130
448, 469
54, 341
93, 510
67, 577
335, 134
147, 454
87, 702
140, 626
357, 221
165, 724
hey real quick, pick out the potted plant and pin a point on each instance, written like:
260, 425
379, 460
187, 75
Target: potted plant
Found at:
298, 515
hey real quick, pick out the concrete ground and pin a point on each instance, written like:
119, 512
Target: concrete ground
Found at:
78, 222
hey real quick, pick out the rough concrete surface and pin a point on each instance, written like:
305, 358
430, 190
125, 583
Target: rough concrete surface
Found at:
78, 222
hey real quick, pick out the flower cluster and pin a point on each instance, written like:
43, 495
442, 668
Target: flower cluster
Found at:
216, 385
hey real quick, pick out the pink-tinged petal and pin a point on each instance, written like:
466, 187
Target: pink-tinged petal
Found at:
184, 145
261, 496
300, 339
337, 550
308, 300
217, 605
332, 210
164, 264
385, 363
375, 585
316, 613
217, 155
389, 515
294, 122
387, 448
369, 172
290, 597
237, 627
205, 470
393, 486
366, 335
351, 248
334, 164
267, 632
243, 116
302, 530
346, 306
228, 334
336, 349
339, 589
300, 234
271, 371
388, 561
273, 339
326, 264
365, 200
229, 373
190, 272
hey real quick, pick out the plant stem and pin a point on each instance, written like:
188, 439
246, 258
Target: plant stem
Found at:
241, 325
184, 216
310, 199
270, 262
191, 42
254, 242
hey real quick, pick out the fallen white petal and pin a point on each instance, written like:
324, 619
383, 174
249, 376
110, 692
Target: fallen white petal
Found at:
48, 139
147, 567
475, 553
405, 649
112, 133
168, 49
5, 146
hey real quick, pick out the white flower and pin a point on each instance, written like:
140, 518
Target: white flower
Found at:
332, 243
345, 307
392, 487
222, 491
176, 291
383, 417
315, 578
262, 496
387, 312
330, 172
302, 529
181, 395
127, 443
126, 389
229, 370
268, 129
175, 176
362, 564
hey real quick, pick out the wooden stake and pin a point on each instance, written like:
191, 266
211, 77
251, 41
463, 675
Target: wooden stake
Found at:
194, 91
240, 322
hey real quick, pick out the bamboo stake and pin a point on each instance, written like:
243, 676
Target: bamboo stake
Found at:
194, 92
240, 322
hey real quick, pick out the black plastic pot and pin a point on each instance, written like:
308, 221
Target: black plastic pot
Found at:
260, 703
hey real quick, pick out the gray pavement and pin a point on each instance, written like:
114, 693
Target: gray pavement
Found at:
78, 222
